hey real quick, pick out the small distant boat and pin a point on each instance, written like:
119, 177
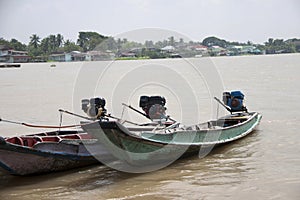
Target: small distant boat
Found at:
53, 65
46, 152
10, 65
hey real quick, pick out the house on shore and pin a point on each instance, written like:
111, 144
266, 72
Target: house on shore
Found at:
99, 55
9, 55
217, 51
242, 50
58, 57
67, 57
74, 56
168, 49
200, 50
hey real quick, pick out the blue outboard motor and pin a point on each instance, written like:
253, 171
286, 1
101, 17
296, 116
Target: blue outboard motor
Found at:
235, 100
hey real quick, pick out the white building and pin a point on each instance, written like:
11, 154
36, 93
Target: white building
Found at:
9, 55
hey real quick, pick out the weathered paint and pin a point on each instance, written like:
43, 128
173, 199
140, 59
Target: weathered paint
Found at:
150, 146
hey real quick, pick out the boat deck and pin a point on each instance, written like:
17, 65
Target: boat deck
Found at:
32, 140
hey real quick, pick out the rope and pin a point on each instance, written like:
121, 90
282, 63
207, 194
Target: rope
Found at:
60, 119
46, 126
38, 126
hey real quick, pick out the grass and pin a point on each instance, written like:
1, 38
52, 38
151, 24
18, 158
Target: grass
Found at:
133, 58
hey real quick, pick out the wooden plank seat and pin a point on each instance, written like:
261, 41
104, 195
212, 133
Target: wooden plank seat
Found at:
51, 139
15, 140
24, 140
30, 141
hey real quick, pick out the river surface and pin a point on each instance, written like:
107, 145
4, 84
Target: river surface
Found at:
263, 165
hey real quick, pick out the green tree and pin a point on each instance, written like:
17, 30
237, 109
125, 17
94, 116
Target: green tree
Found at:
89, 40
270, 41
149, 43
109, 44
214, 41
67, 42
45, 45
294, 42
83, 40
4, 42
278, 42
59, 40
159, 44
171, 41
34, 51
34, 41
52, 43
124, 41
181, 41
16, 45
71, 46
119, 44
34, 48
249, 42
279, 46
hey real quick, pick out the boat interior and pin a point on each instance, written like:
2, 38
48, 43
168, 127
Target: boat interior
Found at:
220, 123
210, 125
56, 136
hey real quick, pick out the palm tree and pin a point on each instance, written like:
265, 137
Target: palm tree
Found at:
34, 40
45, 45
67, 42
52, 41
171, 41
59, 40
270, 41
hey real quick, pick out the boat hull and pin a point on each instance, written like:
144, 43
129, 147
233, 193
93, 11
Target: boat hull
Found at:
20, 160
154, 148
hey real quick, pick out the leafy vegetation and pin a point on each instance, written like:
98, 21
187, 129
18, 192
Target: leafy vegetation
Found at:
279, 46
89, 41
213, 41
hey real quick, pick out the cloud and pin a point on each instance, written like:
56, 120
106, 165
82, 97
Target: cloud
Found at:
253, 20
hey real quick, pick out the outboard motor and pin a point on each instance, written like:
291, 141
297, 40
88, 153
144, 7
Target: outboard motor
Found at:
95, 107
153, 106
235, 100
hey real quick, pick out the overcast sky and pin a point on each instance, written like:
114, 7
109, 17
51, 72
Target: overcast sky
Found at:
233, 20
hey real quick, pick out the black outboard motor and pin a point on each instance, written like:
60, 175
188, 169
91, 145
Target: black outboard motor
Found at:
95, 107
235, 100
153, 106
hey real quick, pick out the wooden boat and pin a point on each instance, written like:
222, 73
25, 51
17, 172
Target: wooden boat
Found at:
152, 145
10, 65
161, 142
46, 152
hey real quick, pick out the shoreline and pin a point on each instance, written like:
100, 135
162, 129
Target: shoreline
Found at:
124, 60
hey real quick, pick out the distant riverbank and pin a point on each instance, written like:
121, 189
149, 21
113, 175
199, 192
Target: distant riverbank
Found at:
92, 46
125, 59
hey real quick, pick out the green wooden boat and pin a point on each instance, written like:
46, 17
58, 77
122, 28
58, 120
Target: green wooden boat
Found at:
163, 141
152, 145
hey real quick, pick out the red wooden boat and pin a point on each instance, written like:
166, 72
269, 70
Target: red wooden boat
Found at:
47, 152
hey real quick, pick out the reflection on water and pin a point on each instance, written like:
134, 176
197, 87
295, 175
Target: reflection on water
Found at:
226, 165
264, 165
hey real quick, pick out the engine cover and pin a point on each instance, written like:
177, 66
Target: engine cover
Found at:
235, 100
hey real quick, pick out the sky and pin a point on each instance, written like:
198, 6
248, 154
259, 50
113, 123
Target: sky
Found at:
232, 20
